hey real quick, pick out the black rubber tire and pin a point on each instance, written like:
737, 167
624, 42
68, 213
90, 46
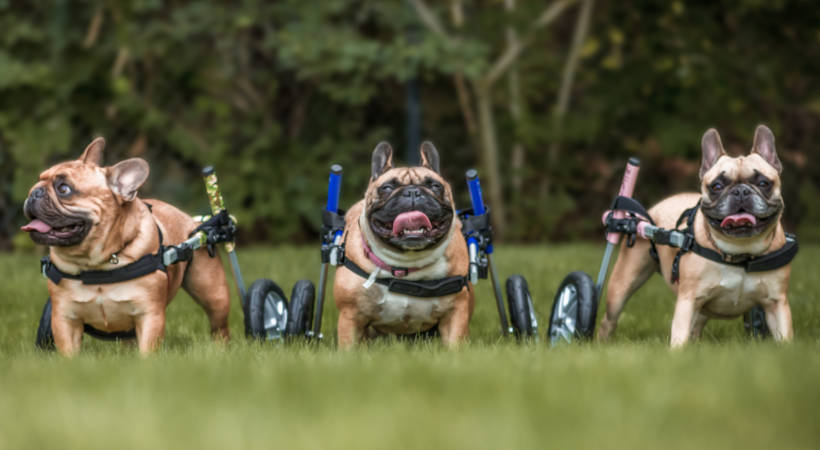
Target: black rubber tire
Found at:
301, 308
754, 321
45, 337
519, 302
255, 306
586, 310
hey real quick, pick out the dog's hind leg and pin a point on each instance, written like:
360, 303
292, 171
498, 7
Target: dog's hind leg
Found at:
633, 267
205, 281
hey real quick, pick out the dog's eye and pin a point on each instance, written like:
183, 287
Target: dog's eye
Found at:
763, 184
63, 189
436, 187
717, 186
385, 189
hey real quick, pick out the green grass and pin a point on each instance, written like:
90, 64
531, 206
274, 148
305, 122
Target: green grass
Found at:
722, 392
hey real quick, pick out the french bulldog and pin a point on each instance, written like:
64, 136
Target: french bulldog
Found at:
405, 227
91, 219
739, 215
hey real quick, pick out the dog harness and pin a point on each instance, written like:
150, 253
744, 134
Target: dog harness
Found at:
684, 240
218, 228
141, 267
333, 222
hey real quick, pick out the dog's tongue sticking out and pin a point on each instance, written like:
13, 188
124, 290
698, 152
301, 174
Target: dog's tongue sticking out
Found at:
739, 220
410, 221
37, 225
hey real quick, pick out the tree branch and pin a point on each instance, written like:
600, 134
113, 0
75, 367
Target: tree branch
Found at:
430, 20
515, 48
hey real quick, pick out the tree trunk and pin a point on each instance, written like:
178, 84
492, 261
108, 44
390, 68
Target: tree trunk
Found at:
514, 87
489, 157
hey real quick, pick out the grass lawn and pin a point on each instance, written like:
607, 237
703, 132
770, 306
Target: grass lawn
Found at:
725, 391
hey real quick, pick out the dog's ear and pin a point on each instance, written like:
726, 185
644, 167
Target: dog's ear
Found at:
93, 152
712, 150
763, 145
429, 156
382, 159
126, 177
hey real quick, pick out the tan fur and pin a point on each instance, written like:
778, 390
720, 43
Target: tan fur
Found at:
706, 289
360, 309
129, 229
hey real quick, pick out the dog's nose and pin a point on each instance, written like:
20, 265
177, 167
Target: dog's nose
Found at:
741, 191
38, 193
411, 191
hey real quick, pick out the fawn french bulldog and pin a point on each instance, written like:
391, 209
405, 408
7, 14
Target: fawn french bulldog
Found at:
739, 217
92, 221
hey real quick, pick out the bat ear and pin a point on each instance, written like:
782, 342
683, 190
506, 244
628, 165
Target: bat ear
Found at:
93, 152
382, 159
429, 156
763, 145
126, 177
712, 150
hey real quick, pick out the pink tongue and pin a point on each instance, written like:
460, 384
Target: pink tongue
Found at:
37, 225
411, 220
737, 220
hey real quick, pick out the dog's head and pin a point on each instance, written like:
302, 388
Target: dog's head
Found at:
79, 201
408, 208
741, 196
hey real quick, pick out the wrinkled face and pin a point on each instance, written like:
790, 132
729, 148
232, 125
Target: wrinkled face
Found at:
410, 208
741, 196
78, 201
58, 205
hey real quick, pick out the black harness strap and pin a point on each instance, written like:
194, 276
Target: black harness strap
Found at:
417, 288
749, 263
141, 267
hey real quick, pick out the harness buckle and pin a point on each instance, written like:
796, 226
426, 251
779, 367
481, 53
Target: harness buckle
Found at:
399, 271
44, 262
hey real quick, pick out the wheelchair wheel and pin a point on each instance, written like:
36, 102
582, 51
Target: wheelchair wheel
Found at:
573, 310
522, 312
301, 308
266, 311
754, 320
45, 338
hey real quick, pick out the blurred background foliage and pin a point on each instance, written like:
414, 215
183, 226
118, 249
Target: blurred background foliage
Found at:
548, 99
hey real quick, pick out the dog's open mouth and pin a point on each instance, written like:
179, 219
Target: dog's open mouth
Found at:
69, 232
410, 229
741, 224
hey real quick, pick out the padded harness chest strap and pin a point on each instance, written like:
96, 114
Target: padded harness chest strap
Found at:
141, 267
417, 288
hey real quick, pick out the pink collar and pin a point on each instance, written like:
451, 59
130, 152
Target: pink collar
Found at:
395, 271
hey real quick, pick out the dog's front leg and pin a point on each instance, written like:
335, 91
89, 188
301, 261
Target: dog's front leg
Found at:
454, 327
350, 328
779, 319
682, 321
150, 329
68, 334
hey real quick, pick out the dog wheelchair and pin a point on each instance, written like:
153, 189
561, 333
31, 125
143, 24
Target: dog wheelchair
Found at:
478, 234
576, 302
267, 313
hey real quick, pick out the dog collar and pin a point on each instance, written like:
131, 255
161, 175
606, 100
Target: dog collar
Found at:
395, 271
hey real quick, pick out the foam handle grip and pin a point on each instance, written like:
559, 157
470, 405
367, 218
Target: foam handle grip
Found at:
215, 199
627, 189
212, 188
334, 188
474, 186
